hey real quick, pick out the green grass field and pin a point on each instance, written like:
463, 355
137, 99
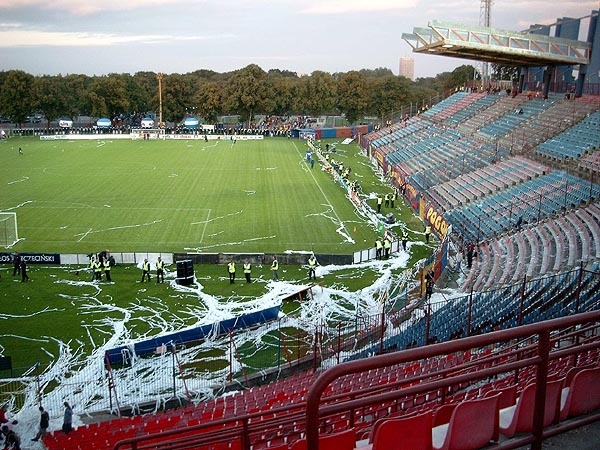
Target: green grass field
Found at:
175, 196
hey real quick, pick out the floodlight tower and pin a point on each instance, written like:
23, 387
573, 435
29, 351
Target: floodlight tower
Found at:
485, 15
159, 76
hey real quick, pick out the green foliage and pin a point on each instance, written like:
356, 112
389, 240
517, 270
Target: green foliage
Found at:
388, 93
16, 96
208, 98
50, 95
110, 96
448, 81
178, 93
317, 93
248, 92
352, 95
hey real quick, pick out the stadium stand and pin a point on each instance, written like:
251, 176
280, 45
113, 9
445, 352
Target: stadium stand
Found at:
575, 141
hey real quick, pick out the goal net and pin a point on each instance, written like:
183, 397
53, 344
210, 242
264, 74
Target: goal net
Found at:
8, 229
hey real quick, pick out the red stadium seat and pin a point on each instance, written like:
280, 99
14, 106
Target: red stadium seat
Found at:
519, 417
506, 396
460, 434
345, 440
410, 433
582, 395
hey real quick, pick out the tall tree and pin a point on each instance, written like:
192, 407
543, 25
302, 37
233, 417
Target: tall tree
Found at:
247, 92
380, 72
208, 100
78, 101
178, 96
317, 93
146, 98
285, 94
50, 97
16, 96
352, 95
388, 95
110, 96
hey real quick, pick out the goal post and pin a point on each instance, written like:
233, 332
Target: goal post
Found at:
8, 229
147, 133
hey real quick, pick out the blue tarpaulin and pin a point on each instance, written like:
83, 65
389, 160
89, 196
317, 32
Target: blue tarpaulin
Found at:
103, 123
116, 355
191, 123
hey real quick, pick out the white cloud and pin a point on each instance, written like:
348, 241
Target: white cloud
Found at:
82, 7
32, 38
357, 6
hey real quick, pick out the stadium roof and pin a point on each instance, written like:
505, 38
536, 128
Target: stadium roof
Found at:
501, 47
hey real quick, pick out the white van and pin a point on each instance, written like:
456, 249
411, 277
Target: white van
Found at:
65, 123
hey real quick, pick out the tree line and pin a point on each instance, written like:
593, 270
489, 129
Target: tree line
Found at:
208, 94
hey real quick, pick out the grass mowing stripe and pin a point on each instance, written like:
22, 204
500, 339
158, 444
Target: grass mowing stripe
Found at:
323, 193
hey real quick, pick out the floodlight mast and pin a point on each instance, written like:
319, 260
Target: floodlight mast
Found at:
159, 76
485, 20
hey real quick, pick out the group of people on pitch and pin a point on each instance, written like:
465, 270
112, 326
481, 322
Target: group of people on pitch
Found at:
312, 265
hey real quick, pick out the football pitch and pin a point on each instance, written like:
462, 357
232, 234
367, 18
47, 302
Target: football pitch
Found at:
81, 196
179, 196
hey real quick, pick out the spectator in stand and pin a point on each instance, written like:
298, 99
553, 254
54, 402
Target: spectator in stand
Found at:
3, 418
11, 440
44, 423
471, 253
67, 425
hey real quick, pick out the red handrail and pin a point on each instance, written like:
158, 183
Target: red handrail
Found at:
542, 330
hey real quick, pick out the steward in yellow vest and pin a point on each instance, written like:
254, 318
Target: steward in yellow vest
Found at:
247, 271
231, 271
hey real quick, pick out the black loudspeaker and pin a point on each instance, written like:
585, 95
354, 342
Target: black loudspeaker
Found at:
185, 272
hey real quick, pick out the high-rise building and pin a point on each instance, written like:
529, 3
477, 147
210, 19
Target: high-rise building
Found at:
407, 67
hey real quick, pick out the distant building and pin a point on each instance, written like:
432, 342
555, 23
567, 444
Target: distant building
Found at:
407, 67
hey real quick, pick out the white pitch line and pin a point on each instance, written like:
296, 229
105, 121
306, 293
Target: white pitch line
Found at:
18, 181
85, 234
205, 225
118, 228
18, 206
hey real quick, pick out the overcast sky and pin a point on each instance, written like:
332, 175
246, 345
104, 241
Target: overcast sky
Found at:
96, 37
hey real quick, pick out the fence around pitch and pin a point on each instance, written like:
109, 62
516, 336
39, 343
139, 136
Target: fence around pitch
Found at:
288, 347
